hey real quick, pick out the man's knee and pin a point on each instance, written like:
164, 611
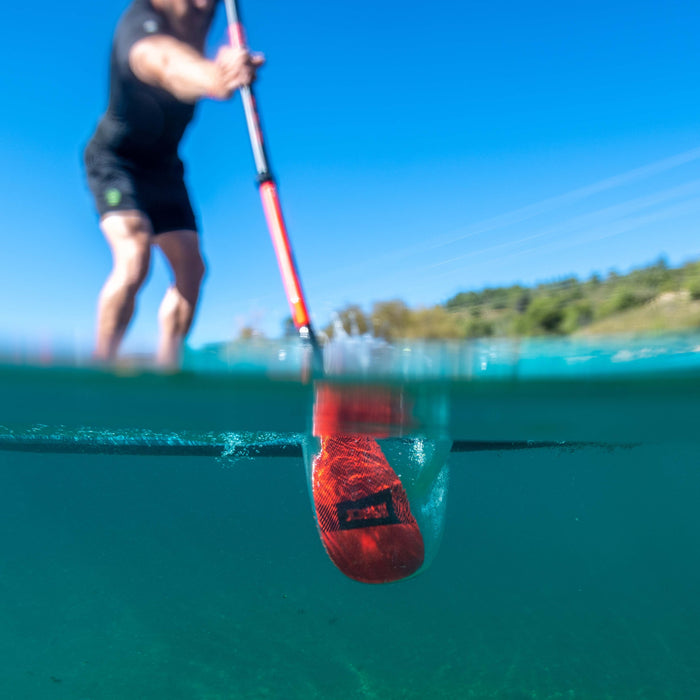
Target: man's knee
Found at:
181, 248
131, 269
189, 277
129, 236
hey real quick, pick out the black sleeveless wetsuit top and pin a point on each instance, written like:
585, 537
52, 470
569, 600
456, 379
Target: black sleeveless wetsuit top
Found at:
143, 124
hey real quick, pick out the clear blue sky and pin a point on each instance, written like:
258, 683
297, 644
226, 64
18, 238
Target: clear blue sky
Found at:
421, 150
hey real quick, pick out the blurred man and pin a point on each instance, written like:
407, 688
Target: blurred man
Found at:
157, 74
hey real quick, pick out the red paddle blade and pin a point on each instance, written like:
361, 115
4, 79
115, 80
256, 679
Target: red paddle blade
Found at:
363, 512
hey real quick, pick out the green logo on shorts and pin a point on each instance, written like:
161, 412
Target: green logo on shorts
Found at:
113, 196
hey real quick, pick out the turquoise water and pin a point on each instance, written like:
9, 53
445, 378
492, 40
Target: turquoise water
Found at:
148, 551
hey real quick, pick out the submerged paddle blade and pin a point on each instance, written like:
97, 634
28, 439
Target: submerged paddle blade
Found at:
363, 513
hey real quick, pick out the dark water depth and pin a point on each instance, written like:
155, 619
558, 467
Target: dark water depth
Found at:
562, 574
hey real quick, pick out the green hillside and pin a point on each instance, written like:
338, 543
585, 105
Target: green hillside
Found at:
655, 298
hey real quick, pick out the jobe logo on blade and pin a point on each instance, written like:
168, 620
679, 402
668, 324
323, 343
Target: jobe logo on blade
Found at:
370, 511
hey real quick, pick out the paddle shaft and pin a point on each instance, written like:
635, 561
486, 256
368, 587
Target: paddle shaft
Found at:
270, 199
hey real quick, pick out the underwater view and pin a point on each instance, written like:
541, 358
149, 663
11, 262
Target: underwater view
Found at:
159, 538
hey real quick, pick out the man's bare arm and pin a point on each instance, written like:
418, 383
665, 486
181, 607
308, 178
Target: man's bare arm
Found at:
173, 65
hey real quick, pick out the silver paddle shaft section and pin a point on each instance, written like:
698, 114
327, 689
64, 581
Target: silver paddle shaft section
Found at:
252, 118
256, 142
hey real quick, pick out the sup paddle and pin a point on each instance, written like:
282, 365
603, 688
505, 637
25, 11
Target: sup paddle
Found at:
362, 511
271, 203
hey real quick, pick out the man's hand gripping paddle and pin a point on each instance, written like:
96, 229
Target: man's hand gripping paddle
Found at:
362, 510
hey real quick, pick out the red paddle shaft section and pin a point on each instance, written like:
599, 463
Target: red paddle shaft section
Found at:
236, 35
280, 240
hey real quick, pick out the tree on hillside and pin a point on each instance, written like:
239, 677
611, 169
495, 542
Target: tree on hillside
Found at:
391, 319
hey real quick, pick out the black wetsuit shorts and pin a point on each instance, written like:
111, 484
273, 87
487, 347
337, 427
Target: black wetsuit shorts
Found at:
158, 192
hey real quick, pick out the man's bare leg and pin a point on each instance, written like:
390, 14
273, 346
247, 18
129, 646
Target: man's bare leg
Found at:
177, 309
129, 236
